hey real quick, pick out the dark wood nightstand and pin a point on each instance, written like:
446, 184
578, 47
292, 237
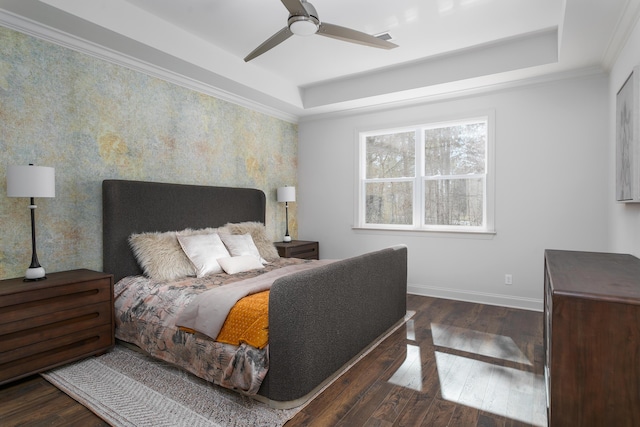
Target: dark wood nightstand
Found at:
298, 249
48, 323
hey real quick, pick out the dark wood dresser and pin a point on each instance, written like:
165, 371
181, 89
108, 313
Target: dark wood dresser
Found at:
48, 323
592, 338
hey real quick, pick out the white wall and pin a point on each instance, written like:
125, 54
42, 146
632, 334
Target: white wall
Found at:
625, 218
552, 177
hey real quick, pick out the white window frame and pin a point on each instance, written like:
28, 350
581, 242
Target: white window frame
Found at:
419, 179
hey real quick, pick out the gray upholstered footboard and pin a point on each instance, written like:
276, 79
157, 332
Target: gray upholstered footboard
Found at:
321, 318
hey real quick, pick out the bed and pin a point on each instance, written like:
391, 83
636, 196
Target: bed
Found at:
318, 319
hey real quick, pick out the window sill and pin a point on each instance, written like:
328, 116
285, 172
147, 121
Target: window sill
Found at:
460, 234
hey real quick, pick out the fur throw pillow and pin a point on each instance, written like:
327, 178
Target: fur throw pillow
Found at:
160, 255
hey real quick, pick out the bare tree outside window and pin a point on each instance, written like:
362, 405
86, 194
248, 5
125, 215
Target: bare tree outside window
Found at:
432, 174
390, 167
389, 203
454, 173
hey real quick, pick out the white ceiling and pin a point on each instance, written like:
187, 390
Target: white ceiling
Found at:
445, 46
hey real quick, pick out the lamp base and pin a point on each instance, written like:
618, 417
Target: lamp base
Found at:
34, 273
287, 239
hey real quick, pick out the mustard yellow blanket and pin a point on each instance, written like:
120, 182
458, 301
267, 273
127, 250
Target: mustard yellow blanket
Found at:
248, 322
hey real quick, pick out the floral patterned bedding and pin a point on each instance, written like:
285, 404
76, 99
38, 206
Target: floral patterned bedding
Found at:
145, 315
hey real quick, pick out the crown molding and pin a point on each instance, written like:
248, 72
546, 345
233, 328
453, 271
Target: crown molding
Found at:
625, 26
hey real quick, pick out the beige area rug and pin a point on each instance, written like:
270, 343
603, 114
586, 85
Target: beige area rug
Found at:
127, 388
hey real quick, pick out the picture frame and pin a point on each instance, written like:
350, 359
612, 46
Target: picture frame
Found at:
628, 139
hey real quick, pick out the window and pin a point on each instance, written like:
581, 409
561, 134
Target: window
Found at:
435, 176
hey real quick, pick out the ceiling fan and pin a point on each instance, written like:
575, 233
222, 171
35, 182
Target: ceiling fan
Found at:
303, 20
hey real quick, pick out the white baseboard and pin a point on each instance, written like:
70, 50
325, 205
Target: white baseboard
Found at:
477, 297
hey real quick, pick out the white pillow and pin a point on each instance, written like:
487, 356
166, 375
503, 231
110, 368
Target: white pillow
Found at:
203, 250
239, 264
241, 245
259, 235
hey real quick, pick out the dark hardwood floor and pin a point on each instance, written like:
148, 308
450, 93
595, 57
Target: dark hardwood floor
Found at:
453, 364
32, 401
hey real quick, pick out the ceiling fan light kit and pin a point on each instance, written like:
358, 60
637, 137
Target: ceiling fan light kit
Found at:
303, 26
303, 21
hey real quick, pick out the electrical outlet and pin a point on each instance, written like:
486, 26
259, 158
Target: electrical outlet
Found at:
508, 279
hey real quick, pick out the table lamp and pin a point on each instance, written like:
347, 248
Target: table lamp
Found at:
32, 181
286, 195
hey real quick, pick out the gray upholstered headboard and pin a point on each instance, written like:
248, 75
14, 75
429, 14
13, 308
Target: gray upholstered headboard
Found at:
138, 206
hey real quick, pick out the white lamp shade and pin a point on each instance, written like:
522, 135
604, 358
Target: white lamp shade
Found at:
286, 194
31, 181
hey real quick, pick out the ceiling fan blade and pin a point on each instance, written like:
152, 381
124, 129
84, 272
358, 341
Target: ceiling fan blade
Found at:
353, 36
295, 7
270, 43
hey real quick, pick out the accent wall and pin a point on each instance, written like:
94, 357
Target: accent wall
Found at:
92, 120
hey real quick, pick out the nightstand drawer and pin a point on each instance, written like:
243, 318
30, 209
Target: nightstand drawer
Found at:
23, 305
298, 249
48, 354
51, 325
306, 252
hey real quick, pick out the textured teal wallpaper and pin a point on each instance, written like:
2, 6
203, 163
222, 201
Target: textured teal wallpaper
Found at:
93, 120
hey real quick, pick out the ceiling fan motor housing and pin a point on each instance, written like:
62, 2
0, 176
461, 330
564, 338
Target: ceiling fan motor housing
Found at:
304, 25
